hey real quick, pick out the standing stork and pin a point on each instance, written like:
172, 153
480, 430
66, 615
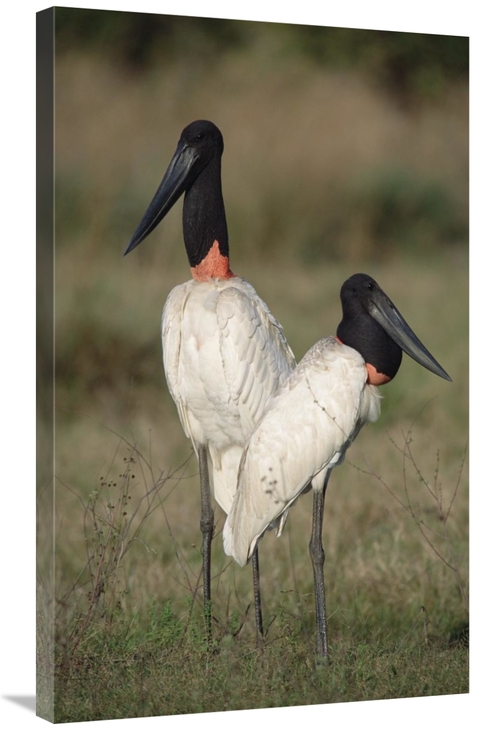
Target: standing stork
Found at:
314, 418
224, 353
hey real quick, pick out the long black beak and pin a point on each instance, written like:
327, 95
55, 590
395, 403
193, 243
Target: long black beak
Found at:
386, 314
179, 176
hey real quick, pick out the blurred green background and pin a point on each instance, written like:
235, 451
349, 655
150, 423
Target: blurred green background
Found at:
345, 150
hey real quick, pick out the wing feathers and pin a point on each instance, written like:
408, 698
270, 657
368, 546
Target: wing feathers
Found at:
225, 356
307, 427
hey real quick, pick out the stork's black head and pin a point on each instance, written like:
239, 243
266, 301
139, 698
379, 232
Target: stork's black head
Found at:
373, 326
200, 144
205, 137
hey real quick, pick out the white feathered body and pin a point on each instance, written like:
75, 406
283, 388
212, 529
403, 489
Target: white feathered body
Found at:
225, 356
307, 428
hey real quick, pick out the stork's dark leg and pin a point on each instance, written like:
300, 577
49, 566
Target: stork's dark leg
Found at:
259, 626
207, 530
318, 558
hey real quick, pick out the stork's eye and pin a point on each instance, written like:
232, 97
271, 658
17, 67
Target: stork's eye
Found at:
200, 135
369, 286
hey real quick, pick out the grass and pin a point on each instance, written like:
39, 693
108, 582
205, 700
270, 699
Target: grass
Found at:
151, 658
364, 667
129, 611
316, 204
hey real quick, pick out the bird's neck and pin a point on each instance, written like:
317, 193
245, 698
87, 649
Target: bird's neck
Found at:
213, 266
380, 353
205, 227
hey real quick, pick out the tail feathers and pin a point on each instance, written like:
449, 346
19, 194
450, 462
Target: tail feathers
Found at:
237, 543
224, 474
227, 540
252, 513
240, 540
237, 532
246, 519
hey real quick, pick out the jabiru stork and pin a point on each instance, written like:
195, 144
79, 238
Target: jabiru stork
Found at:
314, 418
224, 353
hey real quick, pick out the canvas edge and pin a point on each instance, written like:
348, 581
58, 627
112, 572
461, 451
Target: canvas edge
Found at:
45, 606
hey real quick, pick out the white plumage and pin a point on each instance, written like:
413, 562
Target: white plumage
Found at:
225, 356
306, 430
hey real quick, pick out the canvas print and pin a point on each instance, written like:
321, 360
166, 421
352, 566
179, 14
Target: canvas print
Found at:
252, 369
